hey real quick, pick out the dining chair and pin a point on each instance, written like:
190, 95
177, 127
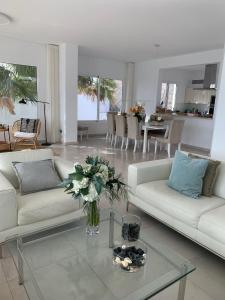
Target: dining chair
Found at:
111, 126
26, 130
133, 131
156, 133
121, 128
172, 137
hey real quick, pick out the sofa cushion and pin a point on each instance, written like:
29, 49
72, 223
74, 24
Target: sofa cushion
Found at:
210, 175
187, 175
24, 135
36, 176
179, 206
6, 159
219, 187
212, 223
44, 205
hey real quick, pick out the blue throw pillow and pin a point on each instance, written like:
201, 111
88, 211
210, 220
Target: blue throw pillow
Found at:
187, 175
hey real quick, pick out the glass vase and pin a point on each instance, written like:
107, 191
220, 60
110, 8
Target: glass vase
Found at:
93, 218
131, 226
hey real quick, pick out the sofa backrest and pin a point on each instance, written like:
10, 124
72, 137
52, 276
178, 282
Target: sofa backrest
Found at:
7, 158
219, 188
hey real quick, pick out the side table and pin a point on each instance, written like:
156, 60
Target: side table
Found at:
5, 130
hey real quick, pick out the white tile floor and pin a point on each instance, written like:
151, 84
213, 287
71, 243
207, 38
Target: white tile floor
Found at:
206, 283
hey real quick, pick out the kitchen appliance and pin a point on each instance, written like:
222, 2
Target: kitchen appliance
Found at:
212, 105
209, 80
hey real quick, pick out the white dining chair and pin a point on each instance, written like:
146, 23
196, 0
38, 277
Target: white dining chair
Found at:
111, 127
172, 137
133, 131
121, 128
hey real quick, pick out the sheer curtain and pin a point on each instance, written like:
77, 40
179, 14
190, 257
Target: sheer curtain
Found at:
53, 91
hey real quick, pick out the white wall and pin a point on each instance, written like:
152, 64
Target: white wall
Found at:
103, 68
147, 73
68, 68
218, 140
25, 53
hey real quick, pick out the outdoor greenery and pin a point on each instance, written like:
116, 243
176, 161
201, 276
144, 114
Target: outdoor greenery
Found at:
88, 86
18, 82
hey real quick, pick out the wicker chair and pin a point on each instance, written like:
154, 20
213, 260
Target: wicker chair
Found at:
25, 137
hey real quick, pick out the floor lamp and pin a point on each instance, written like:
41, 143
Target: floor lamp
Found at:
45, 123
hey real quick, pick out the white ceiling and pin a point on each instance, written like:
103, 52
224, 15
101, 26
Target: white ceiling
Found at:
124, 30
192, 68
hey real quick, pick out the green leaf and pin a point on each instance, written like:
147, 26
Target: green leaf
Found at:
69, 187
78, 176
98, 184
79, 169
84, 191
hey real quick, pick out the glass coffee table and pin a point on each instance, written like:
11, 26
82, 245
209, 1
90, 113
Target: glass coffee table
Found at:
66, 264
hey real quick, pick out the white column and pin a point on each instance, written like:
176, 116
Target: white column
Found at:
218, 141
129, 85
68, 57
53, 91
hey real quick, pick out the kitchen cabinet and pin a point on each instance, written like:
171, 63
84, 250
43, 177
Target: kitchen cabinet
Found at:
198, 96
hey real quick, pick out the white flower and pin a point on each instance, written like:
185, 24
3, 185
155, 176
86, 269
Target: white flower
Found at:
87, 168
92, 195
103, 173
77, 185
76, 164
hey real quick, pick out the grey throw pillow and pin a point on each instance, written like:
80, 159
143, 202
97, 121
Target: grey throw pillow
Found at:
210, 176
35, 176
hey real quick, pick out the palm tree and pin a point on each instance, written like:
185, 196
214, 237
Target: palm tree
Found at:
18, 82
88, 86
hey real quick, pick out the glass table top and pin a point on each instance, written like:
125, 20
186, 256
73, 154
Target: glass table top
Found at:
69, 265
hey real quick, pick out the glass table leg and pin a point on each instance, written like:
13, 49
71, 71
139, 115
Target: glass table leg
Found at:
182, 286
20, 261
111, 229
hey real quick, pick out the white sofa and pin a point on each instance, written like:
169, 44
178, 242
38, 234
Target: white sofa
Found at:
33, 212
202, 220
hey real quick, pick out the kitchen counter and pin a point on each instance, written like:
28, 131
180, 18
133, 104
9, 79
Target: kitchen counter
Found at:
198, 131
189, 115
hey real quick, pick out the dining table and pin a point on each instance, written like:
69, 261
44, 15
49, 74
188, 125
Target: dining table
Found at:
148, 127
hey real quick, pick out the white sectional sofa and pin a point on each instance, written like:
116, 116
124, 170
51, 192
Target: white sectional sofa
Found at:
202, 220
33, 212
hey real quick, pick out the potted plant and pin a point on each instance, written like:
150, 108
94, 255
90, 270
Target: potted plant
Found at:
89, 182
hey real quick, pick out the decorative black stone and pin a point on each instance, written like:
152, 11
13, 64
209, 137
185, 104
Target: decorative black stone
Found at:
130, 232
134, 254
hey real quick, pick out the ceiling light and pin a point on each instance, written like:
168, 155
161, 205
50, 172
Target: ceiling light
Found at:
4, 19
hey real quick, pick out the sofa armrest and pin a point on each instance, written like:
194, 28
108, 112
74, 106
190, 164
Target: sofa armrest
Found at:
63, 167
8, 204
148, 171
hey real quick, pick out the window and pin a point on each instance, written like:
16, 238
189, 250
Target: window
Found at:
97, 96
168, 95
18, 86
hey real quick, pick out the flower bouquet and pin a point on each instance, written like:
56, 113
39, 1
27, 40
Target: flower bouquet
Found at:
138, 111
89, 182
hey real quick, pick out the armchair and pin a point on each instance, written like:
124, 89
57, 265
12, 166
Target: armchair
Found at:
23, 136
